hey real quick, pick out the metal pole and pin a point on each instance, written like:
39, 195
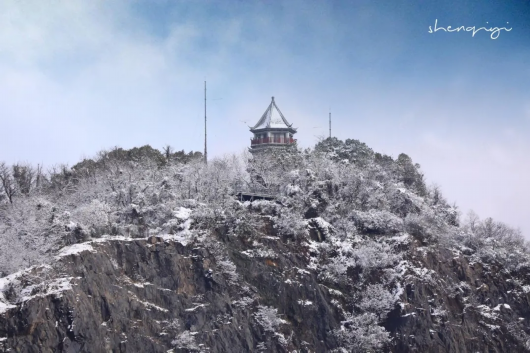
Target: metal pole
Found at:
205, 147
329, 124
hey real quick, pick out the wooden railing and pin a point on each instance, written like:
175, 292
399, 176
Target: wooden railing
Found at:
267, 140
243, 188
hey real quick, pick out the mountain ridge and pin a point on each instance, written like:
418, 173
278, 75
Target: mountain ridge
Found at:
355, 253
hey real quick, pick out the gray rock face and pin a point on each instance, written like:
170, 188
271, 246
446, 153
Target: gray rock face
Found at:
138, 296
461, 307
158, 295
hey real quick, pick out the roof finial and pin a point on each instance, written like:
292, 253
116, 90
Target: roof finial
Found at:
273, 98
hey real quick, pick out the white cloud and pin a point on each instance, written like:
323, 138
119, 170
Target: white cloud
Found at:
77, 76
488, 174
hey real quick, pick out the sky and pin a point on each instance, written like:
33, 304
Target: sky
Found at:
78, 76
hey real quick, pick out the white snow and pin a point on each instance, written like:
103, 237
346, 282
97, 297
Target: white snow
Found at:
322, 223
46, 287
438, 312
142, 285
302, 271
147, 304
486, 312
74, 249
243, 302
182, 213
270, 237
271, 118
106, 238
12, 279
184, 237
409, 314
4, 281
401, 238
196, 307
292, 189
55, 286
260, 253
491, 327
305, 302
498, 307
4, 305
268, 318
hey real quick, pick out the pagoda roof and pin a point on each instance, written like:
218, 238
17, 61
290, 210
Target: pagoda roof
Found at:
272, 119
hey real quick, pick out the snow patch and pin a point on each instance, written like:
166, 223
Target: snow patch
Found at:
142, 285
302, 271
148, 305
44, 288
243, 302
404, 238
498, 307
196, 307
184, 237
4, 305
260, 253
305, 302
52, 287
74, 249
182, 213
106, 238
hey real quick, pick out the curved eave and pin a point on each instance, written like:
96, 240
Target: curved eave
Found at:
265, 129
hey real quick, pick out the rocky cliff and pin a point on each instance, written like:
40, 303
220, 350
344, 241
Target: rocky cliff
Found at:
354, 254
176, 293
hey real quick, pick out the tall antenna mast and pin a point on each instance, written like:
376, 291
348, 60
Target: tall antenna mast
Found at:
330, 123
205, 147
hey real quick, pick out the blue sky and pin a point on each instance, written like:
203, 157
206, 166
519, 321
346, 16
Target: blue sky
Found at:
77, 77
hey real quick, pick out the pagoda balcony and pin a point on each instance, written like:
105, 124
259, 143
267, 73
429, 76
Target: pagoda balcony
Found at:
272, 140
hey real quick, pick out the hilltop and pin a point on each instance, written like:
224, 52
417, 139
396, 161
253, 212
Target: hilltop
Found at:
142, 250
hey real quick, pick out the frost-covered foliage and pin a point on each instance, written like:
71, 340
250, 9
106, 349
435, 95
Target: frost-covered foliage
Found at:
94, 217
361, 334
186, 340
378, 300
490, 241
349, 211
229, 269
133, 193
371, 254
31, 230
375, 221
366, 256
268, 318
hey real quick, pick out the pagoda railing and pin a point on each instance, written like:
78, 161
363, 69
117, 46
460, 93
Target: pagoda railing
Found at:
241, 187
272, 140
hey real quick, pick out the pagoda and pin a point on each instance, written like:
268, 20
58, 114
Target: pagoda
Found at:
272, 130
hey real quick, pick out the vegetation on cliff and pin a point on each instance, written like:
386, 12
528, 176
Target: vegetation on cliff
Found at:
354, 243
